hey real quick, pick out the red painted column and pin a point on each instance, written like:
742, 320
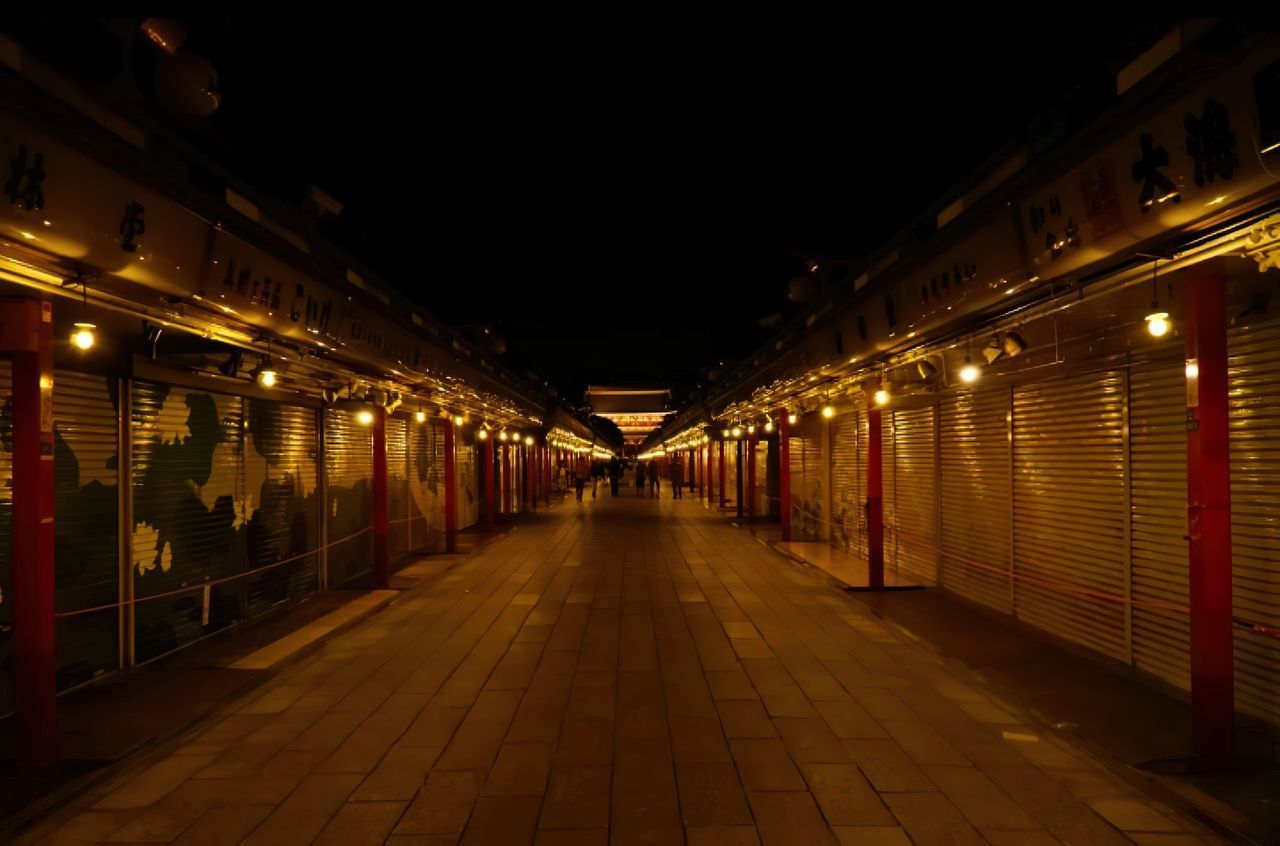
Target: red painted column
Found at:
737, 476
487, 461
381, 558
875, 501
1209, 521
26, 331
722, 476
784, 472
751, 478
450, 489
506, 479
704, 455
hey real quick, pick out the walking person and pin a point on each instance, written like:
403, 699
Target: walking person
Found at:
655, 479
677, 479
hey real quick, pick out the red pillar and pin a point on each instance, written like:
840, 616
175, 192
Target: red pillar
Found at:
722, 475
26, 332
487, 462
737, 476
704, 456
784, 472
751, 478
875, 501
1209, 521
506, 479
381, 558
450, 490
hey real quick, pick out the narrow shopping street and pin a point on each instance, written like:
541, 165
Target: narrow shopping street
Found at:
620, 671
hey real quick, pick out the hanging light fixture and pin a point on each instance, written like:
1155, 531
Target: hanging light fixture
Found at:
364, 417
420, 416
969, 373
83, 338
1157, 320
768, 425
791, 418
502, 436
458, 421
482, 433
882, 396
828, 411
737, 431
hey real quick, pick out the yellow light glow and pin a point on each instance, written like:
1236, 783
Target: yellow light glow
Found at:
420, 416
791, 418
482, 434
458, 421
768, 427
724, 433
970, 373
528, 441
267, 378
751, 430
828, 412
1193, 369
364, 417
1158, 324
502, 436
83, 337
737, 431
882, 397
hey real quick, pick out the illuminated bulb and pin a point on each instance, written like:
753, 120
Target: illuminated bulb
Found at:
483, 434
364, 417
882, 397
1193, 370
528, 441
83, 338
1158, 324
969, 373
502, 436
751, 430
737, 431
458, 421
768, 426
724, 433
828, 412
267, 378
420, 416
791, 418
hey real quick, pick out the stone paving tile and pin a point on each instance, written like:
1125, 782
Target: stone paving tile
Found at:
624, 671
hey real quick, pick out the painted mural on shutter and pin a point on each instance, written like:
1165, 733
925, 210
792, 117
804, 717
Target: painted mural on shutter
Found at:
86, 524
916, 499
1253, 348
1158, 509
6, 538
1069, 509
348, 464
466, 466
888, 485
188, 509
975, 502
808, 479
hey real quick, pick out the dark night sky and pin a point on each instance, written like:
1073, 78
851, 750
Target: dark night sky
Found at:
629, 208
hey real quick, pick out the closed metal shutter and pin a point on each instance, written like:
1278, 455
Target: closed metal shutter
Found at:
426, 487
86, 525
1158, 505
282, 507
1253, 348
467, 468
848, 492
188, 504
762, 478
808, 479
888, 493
348, 466
6, 539
916, 496
397, 486
417, 506
1069, 509
977, 543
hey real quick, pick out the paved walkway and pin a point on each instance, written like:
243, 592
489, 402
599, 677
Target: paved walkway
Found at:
621, 671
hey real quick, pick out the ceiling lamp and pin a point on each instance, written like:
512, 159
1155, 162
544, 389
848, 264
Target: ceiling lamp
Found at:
364, 417
420, 416
768, 425
1157, 320
828, 411
83, 338
1013, 344
482, 434
882, 396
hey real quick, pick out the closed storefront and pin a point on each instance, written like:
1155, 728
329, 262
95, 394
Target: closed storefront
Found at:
6, 551
348, 467
1253, 347
467, 468
915, 495
848, 485
426, 488
397, 486
1069, 497
976, 503
808, 479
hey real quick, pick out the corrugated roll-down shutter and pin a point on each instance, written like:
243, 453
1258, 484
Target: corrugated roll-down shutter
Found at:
282, 506
846, 497
761, 502
888, 492
416, 460
188, 513
469, 472
975, 503
348, 461
1253, 349
7, 702
808, 494
397, 486
1070, 556
915, 475
1158, 509
86, 524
